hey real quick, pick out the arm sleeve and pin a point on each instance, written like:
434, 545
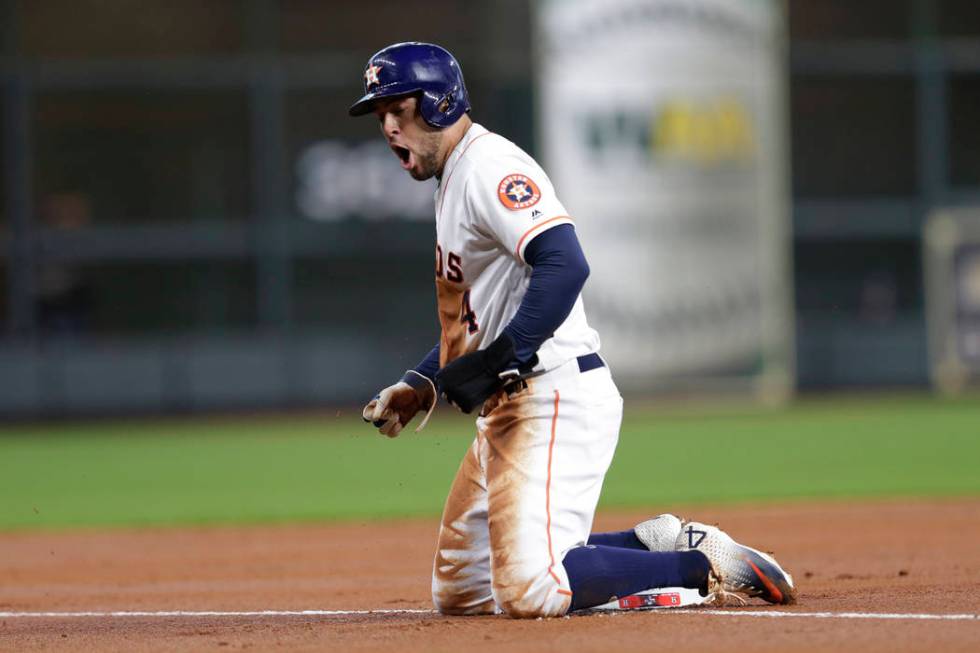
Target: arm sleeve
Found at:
559, 272
430, 364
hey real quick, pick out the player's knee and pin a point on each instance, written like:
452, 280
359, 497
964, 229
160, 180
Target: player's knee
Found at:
528, 600
446, 605
456, 599
457, 606
520, 607
445, 600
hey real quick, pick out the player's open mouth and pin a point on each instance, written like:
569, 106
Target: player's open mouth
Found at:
404, 155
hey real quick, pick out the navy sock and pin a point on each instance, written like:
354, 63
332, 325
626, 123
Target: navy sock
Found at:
621, 539
596, 573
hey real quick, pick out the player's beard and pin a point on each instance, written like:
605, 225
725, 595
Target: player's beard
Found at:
427, 158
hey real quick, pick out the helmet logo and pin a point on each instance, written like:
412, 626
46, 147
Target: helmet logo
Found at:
518, 192
371, 75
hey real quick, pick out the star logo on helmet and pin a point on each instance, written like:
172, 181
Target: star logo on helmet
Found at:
371, 75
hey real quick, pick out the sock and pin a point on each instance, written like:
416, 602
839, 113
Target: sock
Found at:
596, 573
621, 539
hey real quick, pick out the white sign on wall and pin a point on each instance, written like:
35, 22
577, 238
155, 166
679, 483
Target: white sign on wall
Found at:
661, 124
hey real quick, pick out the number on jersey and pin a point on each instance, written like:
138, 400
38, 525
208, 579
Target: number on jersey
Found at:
467, 316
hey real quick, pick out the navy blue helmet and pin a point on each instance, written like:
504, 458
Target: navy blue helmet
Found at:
421, 69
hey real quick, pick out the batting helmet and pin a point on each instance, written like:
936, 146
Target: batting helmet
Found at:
416, 68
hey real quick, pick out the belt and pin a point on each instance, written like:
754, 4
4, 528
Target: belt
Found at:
514, 378
590, 362
586, 363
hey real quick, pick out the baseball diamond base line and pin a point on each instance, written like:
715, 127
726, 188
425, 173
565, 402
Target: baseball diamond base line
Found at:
775, 614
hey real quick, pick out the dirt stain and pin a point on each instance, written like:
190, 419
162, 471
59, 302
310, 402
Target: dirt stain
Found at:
513, 446
456, 339
458, 551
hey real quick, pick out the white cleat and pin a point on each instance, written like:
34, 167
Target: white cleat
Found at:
741, 570
659, 533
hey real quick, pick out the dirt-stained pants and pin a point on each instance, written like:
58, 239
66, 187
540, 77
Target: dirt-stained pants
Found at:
525, 493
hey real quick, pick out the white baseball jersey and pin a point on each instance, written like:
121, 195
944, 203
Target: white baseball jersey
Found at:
492, 200
527, 488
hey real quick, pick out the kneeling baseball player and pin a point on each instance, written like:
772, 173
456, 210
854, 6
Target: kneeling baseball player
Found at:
515, 345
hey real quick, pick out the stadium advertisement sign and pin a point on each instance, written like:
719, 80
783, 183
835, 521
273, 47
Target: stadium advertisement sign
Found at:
662, 124
952, 266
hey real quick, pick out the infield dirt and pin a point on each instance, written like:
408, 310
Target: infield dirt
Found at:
888, 557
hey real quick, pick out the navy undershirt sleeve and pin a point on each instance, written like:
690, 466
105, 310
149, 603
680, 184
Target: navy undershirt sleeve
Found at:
430, 364
560, 271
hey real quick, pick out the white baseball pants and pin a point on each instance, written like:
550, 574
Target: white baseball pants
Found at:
526, 492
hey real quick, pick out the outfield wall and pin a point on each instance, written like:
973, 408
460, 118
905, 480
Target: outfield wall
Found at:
188, 219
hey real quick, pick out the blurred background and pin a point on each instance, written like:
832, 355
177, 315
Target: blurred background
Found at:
189, 220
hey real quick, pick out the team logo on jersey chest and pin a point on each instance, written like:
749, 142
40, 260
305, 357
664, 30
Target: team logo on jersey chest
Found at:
518, 192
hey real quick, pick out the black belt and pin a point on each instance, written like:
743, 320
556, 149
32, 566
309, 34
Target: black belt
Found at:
586, 363
515, 384
589, 362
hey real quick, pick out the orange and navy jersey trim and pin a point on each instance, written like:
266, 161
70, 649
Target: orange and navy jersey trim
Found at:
536, 228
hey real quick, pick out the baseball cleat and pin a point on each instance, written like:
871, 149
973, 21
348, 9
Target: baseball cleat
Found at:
659, 533
741, 570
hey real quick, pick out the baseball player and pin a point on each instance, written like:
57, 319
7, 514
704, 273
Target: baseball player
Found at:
516, 346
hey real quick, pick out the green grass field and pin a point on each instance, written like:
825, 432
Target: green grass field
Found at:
323, 467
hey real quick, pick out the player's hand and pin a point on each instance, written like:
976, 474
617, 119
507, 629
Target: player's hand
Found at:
472, 378
396, 405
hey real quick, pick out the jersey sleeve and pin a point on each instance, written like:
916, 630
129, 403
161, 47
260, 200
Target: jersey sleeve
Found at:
513, 201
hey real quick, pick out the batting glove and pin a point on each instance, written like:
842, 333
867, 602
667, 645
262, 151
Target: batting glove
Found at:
396, 405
